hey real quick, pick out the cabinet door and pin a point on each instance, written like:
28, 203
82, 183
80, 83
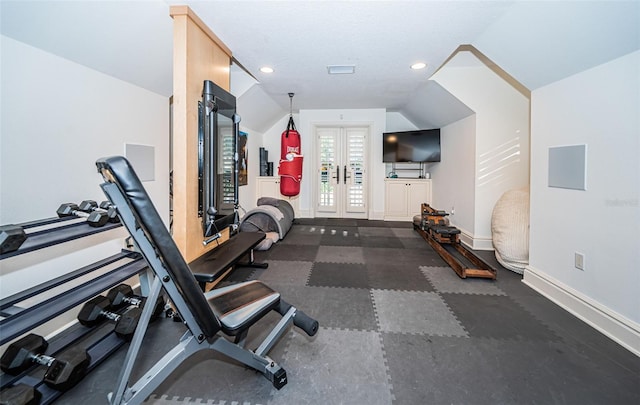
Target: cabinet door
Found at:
396, 199
418, 193
268, 187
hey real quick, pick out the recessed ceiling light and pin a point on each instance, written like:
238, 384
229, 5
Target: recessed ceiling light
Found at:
266, 69
341, 69
419, 65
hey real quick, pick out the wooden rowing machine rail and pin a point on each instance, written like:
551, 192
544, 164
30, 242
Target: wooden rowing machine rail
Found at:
445, 239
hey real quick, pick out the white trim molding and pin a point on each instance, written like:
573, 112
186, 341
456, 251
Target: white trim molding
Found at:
620, 329
475, 243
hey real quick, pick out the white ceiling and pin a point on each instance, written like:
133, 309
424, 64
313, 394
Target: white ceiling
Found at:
536, 42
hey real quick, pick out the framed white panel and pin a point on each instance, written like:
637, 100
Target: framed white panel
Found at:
568, 167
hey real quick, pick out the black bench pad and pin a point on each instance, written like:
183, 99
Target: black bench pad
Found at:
211, 265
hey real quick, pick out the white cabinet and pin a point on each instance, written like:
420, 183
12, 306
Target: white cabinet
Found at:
269, 186
403, 197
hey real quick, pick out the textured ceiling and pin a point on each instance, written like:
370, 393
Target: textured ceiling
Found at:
381, 38
537, 42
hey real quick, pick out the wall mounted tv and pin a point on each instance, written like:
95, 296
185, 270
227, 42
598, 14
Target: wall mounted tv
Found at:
411, 146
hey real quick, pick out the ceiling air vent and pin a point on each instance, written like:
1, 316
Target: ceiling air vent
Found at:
341, 69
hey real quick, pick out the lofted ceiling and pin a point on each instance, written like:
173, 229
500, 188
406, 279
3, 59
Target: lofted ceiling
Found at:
132, 40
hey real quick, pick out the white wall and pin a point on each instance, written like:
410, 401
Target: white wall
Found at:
57, 118
599, 107
453, 178
502, 135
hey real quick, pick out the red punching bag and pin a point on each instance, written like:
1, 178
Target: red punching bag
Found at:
290, 168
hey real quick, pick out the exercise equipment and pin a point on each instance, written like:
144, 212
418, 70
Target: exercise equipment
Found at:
122, 295
95, 218
96, 311
270, 215
63, 371
11, 238
218, 320
89, 206
290, 169
20, 394
445, 239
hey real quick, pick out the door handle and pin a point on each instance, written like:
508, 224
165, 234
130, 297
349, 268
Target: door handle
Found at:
337, 175
345, 174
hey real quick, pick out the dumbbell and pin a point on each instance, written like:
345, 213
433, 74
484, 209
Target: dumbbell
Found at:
11, 238
122, 295
96, 310
95, 218
90, 206
63, 372
20, 394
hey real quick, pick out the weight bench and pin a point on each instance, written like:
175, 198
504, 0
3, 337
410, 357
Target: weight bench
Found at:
214, 265
212, 318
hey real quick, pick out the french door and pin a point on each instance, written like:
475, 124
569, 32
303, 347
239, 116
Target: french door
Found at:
341, 179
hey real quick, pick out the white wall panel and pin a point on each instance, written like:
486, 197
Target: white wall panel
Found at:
599, 107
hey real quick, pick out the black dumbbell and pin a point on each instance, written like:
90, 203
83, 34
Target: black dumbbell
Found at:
122, 295
96, 310
95, 218
105, 206
11, 238
20, 394
63, 371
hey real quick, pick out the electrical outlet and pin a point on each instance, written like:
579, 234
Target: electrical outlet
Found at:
579, 261
453, 210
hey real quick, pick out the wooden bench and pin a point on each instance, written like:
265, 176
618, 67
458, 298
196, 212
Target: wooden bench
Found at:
214, 265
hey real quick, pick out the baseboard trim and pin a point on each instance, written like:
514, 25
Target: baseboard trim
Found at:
618, 328
474, 243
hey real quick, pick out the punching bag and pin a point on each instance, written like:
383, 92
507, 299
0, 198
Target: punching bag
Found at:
290, 168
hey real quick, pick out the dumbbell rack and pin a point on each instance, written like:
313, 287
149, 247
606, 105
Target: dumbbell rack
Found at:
17, 319
65, 229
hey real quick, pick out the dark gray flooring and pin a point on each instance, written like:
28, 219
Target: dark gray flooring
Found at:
397, 327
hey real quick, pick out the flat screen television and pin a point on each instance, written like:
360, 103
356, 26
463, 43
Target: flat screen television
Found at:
411, 146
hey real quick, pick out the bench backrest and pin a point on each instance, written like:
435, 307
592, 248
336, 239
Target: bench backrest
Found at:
118, 170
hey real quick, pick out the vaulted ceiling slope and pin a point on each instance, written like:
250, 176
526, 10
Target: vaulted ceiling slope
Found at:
536, 42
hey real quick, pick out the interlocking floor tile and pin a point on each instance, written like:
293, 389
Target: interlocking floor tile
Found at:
418, 257
313, 240
415, 312
350, 275
342, 308
496, 316
341, 222
406, 233
391, 276
339, 254
445, 280
439, 370
285, 272
340, 236
280, 251
375, 231
411, 243
327, 373
382, 242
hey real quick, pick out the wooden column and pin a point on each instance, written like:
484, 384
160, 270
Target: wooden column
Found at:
198, 55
